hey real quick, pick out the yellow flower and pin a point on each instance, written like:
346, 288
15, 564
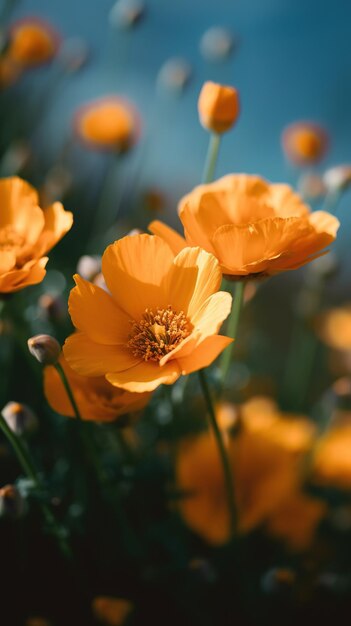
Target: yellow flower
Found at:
97, 399
160, 319
304, 143
265, 457
32, 42
111, 611
254, 228
332, 459
108, 123
218, 107
27, 233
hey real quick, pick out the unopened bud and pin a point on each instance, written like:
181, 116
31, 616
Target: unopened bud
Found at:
134, 231
218, 107
216, 44
19, 417
45, 349
174, 75
12, 504
126, 13
52, 307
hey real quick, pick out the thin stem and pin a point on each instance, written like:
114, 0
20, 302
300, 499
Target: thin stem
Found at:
211, 158
232, 328
30, 470
227, 471
89, 444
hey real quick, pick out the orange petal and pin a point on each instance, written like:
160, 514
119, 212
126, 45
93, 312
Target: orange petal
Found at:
31, 274
193, 277
7, 260
94, 312
175, 241
88, 358
204, 354
145, 376
134, 268
57, 223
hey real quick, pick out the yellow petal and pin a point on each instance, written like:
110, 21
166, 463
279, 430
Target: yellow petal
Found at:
57, 223
88, 358
31, 274
175, 241
145, 376
134, 268
94, 312
204, 354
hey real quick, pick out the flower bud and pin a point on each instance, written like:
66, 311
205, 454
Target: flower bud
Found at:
174, 75
45, 349
216, 44
19, 417
338, 178
12, 504
126, 13
304, 143
218, 107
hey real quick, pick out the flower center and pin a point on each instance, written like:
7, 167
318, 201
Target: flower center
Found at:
9, 238
158, 333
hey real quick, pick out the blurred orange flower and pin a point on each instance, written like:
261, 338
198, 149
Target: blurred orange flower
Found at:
97, 399
26, 233
111, 611
33, 42
107, 123
332, 458
334, 327
304, 143
218, 107
265, 456
254, 228
160, 319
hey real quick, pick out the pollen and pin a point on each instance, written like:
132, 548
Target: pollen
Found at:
158, 333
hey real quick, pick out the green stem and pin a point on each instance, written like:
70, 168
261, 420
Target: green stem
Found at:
89, 444
227, 471
30, 470
211, 158
232, 328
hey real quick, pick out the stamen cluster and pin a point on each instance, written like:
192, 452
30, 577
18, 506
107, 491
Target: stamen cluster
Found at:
158, 333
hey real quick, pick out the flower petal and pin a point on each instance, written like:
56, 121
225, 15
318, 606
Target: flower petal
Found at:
193, 277
94, 312
145, 376
57, 223
134, 268
89, 358
31, 274
175, 241
204, 354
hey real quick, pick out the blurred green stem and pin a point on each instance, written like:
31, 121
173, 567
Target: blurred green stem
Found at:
31, 472
227, 472
88, 442
232, 328
211, 158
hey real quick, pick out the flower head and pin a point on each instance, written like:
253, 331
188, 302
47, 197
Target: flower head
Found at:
254, 228
32, 42
332, 459
109, 123
97, 400
304, 143
159, 320
218, 107
334, 327
265, 456
111, 611
27, 233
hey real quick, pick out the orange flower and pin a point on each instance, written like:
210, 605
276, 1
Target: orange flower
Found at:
254, 228
334, 327
218, 107
26, 233
160, 319
107, 123
111, 611
265, 456
97, 399
32, 42
332, 459
304, 143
